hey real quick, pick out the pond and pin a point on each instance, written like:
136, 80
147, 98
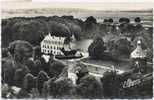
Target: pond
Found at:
82, 44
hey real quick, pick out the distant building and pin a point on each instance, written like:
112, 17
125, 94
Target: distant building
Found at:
52, 44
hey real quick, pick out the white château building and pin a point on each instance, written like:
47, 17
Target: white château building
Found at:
52, 44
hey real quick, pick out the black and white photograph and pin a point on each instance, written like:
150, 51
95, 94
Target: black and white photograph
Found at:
79, 49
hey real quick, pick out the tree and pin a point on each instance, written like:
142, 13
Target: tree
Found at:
75, 30
20, 50
37, 52
96, 49
28, 86
32, 66
87, 86
90, 24
5, 52
55, 69
28, 31
90, 20
68, 17
120, 46
33, 29
137, 19
111, 85
123, 45
111, 20
59, 29
123, 19
42, 77
61, 88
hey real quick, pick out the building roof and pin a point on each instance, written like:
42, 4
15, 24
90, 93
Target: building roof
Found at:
50, 36
138, 52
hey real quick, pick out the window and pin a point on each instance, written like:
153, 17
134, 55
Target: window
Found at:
51, 47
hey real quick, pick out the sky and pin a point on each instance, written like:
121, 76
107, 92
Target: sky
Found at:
16, 0
91, 1
90, 5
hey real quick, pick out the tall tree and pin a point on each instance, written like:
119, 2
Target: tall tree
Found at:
96, 49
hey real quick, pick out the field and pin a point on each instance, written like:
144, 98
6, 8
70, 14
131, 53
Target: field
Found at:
146, 15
